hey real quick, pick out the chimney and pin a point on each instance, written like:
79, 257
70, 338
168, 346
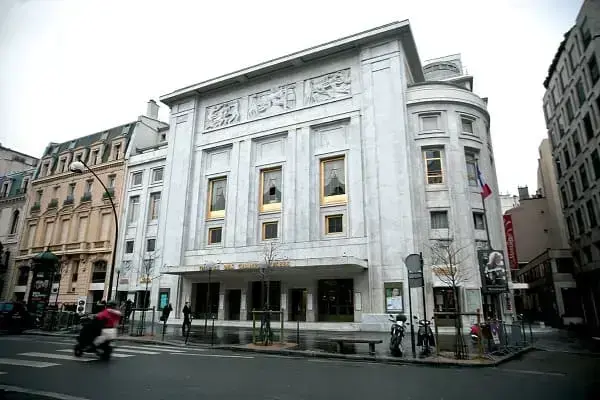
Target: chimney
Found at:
152, 111
523, 193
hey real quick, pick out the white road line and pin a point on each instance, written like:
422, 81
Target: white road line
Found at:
58, 396
26, 363
116, 355
3, 373
156, 347
210, 355
525, 371
126, 350
148, 348
55, 356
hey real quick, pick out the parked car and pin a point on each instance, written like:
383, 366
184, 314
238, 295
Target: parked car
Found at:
14, 317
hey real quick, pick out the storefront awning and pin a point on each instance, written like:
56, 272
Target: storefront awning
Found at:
347, 263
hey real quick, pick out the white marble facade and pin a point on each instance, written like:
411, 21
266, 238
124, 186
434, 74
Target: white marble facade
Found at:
361, 106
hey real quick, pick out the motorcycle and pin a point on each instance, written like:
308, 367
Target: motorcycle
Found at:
397, 334
425, 337
90, 330
474, 333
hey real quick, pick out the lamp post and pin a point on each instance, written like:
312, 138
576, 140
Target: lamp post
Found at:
80, 167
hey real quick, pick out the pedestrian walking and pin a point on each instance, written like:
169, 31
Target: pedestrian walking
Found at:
166, 311
187, 322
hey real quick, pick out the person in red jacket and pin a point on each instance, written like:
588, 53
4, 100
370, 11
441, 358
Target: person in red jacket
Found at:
110, 318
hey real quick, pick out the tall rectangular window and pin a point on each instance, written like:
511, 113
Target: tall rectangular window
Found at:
154, 206
561, 125
129, 246
439, 219
591, 213
478, 221
573, 186
585, 183
558, 168
471, 159
333, 180
270, 189
88, 186
217, 194
563, 195
580, 92
116, 151
434, 170
567, 157
71, 190
576, 144
134, 209
150, 245
596, 164
569, 108
573, 58
111, 182
587, 126
579, 217
157, 175
593, 68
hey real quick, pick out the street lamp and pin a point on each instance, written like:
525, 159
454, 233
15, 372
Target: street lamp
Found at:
80, 167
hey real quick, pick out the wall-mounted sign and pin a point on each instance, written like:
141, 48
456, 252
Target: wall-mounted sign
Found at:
241, 266
511, 246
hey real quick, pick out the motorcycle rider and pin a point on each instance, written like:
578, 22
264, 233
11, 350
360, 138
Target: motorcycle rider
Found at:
109, 318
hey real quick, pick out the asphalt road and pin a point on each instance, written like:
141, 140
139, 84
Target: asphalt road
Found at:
147, 372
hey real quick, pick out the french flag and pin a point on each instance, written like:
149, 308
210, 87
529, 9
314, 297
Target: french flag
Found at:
485, 188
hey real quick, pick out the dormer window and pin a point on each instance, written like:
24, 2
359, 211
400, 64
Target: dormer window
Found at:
4, 191
94, 157
78, 156
46, 169
62, 164
116, 151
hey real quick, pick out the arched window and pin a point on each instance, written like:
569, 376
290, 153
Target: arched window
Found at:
15, 222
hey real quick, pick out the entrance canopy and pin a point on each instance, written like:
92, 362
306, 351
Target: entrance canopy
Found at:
348, 264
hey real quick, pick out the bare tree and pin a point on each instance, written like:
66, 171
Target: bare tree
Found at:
146, 273
271, 252
449, 266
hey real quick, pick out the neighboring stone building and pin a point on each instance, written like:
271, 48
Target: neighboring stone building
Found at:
70, 214
12, 199
508, 201
347, 156
572, 110
138, 251
14, 161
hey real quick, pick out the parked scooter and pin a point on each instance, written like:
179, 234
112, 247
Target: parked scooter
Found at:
425, 337
474, 333
397, 334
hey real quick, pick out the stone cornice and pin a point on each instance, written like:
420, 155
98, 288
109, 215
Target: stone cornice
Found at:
12, 200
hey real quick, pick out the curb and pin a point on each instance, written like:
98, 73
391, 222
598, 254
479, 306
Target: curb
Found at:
384, 360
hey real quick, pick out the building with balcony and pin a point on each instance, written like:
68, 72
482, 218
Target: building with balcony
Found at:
349, 156
14, 161
572, 111
13, 194
70, 214
139, 249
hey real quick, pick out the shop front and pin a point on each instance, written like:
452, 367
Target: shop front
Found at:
324, 292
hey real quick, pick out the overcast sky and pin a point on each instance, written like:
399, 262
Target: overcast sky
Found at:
72, 68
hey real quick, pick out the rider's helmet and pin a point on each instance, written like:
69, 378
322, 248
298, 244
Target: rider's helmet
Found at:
111, 304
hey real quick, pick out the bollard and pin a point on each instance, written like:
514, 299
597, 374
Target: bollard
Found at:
253, 327
479, 334
281, 318
164, 329
153, 319
298, 330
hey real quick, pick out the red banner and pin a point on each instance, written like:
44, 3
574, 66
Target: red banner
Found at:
511, 247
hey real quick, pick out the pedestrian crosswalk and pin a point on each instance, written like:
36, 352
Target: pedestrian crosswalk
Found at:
58, 356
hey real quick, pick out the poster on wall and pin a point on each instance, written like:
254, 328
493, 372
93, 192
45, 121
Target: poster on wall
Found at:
393, 299
493, 271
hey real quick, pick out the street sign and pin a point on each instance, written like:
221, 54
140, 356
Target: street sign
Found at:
415, 274
413, 263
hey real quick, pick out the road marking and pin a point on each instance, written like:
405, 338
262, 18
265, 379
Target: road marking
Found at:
156, 347
127, 350
3, 373
116, 355
58, 396
56, 356
26, 363
526, 371
210, 355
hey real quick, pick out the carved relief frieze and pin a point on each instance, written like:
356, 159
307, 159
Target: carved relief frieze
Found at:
222, 114
272, 101
327, 87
